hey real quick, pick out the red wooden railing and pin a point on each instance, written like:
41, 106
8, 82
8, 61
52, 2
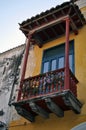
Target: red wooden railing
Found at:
47, 83
73, 83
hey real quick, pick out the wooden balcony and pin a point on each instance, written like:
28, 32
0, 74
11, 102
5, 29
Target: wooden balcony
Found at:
56, 91
46, 93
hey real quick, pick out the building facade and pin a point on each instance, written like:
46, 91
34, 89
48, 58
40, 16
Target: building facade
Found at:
9, 79
51, 93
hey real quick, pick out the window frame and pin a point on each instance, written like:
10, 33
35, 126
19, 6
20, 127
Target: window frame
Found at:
71, 52
51, 63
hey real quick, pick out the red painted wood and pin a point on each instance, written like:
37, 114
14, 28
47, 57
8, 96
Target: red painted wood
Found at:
25, 57
67, 55
24, 64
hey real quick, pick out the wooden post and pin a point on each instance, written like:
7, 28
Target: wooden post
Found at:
67, 55
24, 64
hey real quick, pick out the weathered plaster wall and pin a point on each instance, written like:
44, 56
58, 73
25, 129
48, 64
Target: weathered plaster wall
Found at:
10, 63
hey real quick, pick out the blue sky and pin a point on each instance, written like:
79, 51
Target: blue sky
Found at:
13, 12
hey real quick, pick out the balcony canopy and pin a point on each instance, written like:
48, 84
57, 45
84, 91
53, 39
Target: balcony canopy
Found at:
50, 24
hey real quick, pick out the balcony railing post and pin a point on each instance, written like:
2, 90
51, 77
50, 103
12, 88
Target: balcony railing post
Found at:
66, 85
24, 64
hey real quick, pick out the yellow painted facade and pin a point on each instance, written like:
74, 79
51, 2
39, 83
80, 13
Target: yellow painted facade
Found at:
70, 119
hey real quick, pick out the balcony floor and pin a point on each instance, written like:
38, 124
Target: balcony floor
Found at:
43, 105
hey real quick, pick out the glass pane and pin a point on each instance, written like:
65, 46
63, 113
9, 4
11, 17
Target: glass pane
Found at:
53, 65
61, 62
46, 67
71, 62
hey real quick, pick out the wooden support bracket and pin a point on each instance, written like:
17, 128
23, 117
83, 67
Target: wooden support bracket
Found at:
24, 113
37, 109
71, 101
54, 107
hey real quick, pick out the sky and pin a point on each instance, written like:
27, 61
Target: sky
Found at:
13, 12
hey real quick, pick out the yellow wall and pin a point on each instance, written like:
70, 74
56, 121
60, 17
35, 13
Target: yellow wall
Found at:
70, 119
53, 123
80, 65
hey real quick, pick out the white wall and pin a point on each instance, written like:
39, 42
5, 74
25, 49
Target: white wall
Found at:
10, 63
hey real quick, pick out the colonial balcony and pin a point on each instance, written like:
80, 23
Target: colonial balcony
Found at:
56, 91
46, 93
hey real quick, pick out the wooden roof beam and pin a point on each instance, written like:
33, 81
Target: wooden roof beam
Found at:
78, 14
48, 24
75, 29
54, 31
23, 29
62, 28
44, 16
46, 34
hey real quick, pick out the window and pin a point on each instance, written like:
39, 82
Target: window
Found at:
60, 62
46, 66
71, 62
54, 58
53, 65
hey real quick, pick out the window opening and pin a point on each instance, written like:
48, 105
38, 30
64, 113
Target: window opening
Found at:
53, 65
60, 62
54, 58
46, 67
